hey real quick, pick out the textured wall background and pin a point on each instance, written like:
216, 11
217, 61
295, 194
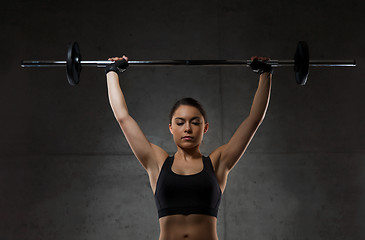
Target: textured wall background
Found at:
67, 171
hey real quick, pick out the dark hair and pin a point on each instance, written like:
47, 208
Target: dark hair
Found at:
188, 102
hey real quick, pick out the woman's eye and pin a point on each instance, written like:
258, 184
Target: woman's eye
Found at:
179, 124
196, 123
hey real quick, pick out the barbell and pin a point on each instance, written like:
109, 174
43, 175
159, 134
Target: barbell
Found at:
301, 63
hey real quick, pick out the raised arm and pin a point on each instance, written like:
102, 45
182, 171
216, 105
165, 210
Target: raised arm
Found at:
147, 153
229, 154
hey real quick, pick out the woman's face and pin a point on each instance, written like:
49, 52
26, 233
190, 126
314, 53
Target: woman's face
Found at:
188, 126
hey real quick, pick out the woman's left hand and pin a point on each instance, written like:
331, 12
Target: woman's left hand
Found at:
260, 58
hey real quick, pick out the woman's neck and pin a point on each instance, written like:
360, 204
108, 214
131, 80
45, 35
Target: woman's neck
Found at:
188, 154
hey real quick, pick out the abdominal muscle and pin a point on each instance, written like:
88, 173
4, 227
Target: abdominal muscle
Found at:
188, 227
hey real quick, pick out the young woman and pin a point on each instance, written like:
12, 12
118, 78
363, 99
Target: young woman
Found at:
188, 186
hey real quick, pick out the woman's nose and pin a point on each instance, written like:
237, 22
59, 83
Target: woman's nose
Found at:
187, 128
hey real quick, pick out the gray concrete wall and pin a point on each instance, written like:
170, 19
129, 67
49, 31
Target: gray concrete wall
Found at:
67, 171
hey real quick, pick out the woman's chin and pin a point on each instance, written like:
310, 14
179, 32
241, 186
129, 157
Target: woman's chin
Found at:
188, 145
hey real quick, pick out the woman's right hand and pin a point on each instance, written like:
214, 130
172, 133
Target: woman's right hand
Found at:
119, 65
259, 65
118, 58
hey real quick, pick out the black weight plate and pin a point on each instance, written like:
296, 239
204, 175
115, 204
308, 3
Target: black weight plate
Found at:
301, 63
73, 64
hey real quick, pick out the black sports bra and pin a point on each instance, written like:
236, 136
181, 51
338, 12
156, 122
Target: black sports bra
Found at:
187, 194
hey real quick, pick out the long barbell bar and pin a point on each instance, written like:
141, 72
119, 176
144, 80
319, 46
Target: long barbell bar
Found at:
301, 63
207, 63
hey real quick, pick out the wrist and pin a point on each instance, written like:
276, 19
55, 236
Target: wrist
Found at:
265, 74
112, 74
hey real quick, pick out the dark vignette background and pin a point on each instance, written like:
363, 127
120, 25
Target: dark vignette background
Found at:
67, 171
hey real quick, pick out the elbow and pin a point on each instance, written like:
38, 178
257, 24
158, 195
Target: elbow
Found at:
258, 120
258, 123
122, 118
120, 114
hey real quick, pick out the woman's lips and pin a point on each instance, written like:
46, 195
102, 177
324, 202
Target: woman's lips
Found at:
187, 138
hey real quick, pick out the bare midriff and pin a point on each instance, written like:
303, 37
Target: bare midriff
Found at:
188, 227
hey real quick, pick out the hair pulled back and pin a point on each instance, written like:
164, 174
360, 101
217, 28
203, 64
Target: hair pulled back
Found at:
188, 102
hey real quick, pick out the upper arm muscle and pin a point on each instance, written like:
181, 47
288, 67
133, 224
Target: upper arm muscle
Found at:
231, 152
147, 153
